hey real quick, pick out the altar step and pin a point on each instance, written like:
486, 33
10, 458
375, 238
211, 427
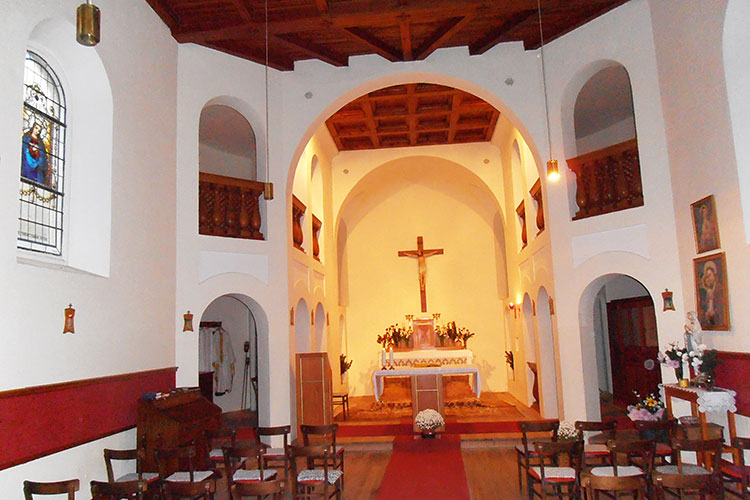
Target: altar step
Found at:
385, 432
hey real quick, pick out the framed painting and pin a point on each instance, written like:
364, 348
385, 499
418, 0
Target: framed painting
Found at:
712, 291
705, 224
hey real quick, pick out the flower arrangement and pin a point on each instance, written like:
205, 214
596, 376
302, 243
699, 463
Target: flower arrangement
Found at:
646, 408
455, 334
344, 365
394, 335
704, 362
673, 357
428, 420
509, 358
568, 432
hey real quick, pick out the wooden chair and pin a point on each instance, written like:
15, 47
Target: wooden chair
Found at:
218, 439
315, 481
662, 432
273, 456
702, 485
710, 450
123, 490
627, 458
736, 474
596, 453
525, 452
262, 490
135, 455
70, 486
553, 476
632, 486
238, 468
194, 491
324, 434
176, 468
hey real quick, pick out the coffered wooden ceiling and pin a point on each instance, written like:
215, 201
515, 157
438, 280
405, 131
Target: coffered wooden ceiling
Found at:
415, 114
398, 30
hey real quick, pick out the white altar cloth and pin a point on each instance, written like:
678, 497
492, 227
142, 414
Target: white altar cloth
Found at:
379, 375
442, 356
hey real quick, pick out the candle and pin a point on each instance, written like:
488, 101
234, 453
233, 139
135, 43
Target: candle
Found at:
391, 356
383, 357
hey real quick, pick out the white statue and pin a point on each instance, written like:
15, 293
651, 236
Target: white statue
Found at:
693, 332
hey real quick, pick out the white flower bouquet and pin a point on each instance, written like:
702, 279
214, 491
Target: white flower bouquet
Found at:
567, 432
428, 420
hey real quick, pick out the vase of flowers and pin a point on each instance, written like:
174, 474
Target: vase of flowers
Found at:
567, 432
704, 362
428, 421
646, 408
673, 357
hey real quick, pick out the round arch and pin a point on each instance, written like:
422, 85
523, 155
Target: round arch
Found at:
549, 369
320, 336
302, 323
530, 350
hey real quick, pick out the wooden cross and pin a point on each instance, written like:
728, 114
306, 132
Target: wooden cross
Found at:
420, 253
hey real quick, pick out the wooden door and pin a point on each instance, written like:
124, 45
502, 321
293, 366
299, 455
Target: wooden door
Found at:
633, 346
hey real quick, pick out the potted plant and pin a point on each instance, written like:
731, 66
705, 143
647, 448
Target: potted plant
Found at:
646, 408
428, 421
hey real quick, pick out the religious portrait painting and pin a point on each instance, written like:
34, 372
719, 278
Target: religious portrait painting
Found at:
35, 150
711, 291
705, 224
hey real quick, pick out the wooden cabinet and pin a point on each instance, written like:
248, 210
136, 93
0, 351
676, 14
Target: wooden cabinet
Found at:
427, 392
177, 418
314, 389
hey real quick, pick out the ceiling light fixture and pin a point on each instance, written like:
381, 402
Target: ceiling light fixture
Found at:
553, 172
268, 186
88, 24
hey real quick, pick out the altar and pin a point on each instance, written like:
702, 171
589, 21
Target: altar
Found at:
379, 375
432, 356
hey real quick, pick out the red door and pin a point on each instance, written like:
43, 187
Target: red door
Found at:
633, 346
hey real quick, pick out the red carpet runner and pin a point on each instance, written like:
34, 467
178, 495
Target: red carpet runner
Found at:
406, 428
425, 468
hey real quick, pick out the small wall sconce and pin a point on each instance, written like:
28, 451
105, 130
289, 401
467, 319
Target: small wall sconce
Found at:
291, 316
513, 308
551, 306
666, 296
70, 314
88, 24
187, 325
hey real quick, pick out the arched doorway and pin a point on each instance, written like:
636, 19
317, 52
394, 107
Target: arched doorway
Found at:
228, 353
625, 338
532, 371
302, 340
321, 339
548, 372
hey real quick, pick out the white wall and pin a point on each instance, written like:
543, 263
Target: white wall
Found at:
215, 161
639, 242
123, 322
621, 131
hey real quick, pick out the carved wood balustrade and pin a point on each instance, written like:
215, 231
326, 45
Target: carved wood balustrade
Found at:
298, 211
521, 211
316, 225
607, 180
536, 195
228, 206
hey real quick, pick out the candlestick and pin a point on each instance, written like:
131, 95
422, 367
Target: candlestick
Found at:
383, 358
391, 357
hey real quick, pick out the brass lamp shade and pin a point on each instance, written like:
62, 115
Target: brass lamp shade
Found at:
70, 315
87, 24
552, 171
268, 191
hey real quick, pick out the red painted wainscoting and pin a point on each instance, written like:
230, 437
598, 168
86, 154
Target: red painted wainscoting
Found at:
41, 420
732, 373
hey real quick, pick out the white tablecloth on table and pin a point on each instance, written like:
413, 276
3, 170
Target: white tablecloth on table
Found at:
442, 356
718, 399
379, 375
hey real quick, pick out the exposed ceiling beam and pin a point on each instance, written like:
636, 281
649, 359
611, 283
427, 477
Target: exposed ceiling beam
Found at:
495, 36
245, 13
247, 30
442, 35
164, 13
377, 45
405, 29
312, 49
322, 6
255, 55
603, 9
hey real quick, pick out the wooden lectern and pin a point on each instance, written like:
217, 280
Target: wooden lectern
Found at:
314, 389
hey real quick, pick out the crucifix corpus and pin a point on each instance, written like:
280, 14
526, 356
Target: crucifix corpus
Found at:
420, 253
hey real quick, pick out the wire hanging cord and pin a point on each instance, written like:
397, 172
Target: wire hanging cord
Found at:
544, 75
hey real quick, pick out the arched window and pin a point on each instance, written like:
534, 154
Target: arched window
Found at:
42, 159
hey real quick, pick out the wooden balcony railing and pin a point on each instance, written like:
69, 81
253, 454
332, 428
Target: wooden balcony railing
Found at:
536, 195
607, 180
316, 225
521, 211
229, 207
298, 211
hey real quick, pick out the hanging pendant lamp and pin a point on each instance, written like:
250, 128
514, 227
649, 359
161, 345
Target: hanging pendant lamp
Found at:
553, 173
88, 25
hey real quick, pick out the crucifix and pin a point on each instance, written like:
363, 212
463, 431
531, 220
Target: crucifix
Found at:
420, 253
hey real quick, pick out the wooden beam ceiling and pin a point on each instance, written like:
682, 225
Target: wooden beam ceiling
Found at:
398, 30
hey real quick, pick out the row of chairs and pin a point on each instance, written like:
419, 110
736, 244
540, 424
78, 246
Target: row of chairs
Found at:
611, 454
251, 469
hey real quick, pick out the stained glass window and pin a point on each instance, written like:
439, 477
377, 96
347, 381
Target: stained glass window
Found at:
42, 159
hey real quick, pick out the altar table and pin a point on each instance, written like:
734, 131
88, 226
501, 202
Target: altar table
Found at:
441, 356
702, 401
379, 375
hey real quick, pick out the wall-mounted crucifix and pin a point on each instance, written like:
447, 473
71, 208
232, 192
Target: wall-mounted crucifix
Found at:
420, 253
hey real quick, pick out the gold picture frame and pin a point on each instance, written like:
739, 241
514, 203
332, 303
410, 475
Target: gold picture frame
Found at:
705, 224
712, 291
